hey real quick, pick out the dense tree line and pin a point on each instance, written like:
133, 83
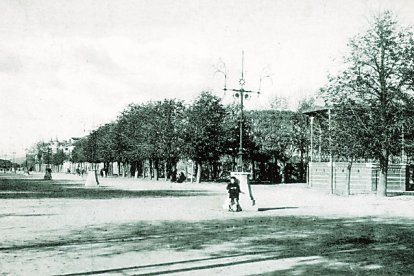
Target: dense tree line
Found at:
371, 107
157, 134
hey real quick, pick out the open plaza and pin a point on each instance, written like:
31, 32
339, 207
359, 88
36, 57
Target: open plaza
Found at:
211, 137
130, 226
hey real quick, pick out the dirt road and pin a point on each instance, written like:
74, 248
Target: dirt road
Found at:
135, 227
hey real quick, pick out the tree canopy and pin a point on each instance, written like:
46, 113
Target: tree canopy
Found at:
373, 94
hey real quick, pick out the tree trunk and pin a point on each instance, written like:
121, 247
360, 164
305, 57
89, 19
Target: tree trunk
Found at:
282, 166
253, 170
382, 183
209, 171
155, 169
214, 170
302, 167
348, 178
166, 170
173, 171
150, 169
199, 168
96, 176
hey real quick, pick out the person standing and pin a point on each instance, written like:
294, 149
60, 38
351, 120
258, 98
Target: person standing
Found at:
234, 191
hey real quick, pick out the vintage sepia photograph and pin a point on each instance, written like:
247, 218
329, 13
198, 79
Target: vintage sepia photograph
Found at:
206, 137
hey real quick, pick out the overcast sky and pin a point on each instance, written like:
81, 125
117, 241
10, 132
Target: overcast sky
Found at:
68, 66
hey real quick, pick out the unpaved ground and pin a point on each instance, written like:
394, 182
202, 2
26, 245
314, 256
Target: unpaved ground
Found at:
135, 227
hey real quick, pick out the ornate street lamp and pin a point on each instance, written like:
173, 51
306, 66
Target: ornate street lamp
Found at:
242, 94
27, 166
48, 171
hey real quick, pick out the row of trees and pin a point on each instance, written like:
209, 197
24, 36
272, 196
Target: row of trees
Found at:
46, 153
371, 101
162, 132
6, 164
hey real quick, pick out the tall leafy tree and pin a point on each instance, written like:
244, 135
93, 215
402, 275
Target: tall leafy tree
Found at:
106, 144
58, 158
349, 139
168, 125
120, 139
378, 77
130, 144
152, 131
91, 148
273, 133
204, 130
78, 153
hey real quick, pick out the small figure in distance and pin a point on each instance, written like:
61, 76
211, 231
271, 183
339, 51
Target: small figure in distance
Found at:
174, 176
233, 189
181, 178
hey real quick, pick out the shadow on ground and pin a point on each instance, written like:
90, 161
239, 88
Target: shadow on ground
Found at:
338, 246
360, 246
275, 208
36, 188
345, 247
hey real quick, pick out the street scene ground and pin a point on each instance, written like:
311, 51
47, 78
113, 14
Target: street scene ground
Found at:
143, 227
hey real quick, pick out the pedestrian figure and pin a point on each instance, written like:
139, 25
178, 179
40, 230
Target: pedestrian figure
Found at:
181, 178
174, 176
233, 189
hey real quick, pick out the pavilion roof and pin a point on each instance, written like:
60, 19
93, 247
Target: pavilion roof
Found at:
317, 110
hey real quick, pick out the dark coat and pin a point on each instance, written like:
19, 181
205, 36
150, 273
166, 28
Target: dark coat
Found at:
233, 189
